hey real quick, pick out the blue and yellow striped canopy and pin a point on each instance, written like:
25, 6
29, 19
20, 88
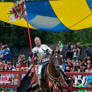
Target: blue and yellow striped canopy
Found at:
53, 16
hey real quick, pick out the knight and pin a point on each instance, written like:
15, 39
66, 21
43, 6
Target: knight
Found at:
41, 53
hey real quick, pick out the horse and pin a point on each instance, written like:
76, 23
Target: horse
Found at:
51, 78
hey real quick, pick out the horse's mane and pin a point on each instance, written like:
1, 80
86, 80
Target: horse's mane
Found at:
51, 66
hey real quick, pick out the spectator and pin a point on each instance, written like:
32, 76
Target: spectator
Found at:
11, 66
3, 65
90, 85
89, 77
60, 46
21, 58
62, 63
74, 60
21, 62
69, 63
67, 69
89, 69
88, 60
80, 49
69, 51
1, 61
61, 60
89, 52
76, 67
83, 65
6, 54
22, 66
76, 52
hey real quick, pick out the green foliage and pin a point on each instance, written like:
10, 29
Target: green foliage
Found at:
18, 36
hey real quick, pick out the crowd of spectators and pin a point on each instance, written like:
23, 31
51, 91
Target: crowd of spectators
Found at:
74, 62
71, 61
7, 65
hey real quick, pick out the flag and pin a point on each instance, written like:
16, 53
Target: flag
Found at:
17, 11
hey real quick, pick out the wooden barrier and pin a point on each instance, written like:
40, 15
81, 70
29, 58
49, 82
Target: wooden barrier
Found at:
24, 72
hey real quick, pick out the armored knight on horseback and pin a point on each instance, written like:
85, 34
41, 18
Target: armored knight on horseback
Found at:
48, 69
42, 52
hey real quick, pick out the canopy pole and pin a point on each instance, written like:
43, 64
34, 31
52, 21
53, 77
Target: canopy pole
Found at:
30, 42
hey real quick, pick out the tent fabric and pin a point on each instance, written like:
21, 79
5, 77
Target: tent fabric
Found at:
90, 4
53, 16
43, 18
4, 16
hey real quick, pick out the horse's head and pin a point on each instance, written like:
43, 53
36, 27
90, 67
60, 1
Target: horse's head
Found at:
55, 58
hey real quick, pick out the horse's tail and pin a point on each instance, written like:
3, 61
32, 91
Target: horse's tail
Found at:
26, 81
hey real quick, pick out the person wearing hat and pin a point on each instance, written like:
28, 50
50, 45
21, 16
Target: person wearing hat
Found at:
6, 54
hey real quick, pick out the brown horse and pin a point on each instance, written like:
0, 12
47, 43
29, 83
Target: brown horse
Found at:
52, 78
